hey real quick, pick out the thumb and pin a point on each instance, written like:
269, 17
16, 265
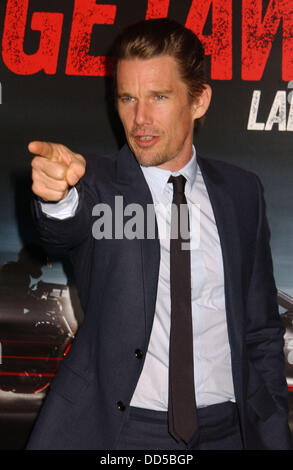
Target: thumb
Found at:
74, 173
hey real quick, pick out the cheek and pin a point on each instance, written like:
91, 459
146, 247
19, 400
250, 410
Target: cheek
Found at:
185, 119
177, 125
178, 117
166, 121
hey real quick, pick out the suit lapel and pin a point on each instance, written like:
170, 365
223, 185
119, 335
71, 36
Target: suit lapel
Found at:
130, 182
225, 213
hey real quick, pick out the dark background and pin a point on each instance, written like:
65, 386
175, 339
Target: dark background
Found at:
77, 111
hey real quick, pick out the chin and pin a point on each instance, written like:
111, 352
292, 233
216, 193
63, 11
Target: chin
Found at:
147, 158
150, 161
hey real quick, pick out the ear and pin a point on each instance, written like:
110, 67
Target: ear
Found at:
202, 102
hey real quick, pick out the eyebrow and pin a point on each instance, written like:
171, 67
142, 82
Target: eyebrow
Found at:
161, 92
151, 92
123, 94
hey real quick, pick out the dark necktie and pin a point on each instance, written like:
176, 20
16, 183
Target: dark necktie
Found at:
182, 416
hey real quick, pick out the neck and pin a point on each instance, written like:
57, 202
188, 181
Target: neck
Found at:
178, 162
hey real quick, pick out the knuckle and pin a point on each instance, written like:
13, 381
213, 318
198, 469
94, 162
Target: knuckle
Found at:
35, 163
59, 172
62, 149
36, 188
34, 174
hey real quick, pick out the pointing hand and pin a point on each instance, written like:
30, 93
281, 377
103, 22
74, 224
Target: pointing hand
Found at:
54, 169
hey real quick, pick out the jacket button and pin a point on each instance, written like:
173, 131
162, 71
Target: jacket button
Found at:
138, 353
120, 405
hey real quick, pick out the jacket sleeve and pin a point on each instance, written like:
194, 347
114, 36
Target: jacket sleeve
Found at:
70, 232
264, 327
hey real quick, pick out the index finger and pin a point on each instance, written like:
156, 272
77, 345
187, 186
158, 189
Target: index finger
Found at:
44, 149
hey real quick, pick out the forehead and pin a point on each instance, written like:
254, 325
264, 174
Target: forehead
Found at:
161, 72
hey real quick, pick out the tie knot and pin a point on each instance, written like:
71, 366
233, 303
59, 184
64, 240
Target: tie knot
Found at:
178, 183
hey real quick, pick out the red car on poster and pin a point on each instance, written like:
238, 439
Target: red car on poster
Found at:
36, 334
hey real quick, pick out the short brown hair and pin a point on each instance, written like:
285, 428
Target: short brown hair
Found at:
150, 38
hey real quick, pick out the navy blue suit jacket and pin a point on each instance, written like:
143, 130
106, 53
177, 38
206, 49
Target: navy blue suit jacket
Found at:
117, 279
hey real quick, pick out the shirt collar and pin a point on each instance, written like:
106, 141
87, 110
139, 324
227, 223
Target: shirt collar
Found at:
157, 178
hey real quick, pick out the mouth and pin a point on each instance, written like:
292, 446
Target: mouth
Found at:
145, 140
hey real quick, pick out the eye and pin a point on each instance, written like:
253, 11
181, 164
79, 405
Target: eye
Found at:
126, 99
160, 97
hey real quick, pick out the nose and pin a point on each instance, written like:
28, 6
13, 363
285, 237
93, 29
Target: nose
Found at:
142, 113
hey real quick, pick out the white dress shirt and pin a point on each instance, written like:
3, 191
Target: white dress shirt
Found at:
211, 350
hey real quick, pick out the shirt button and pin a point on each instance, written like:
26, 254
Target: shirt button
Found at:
120, 405
138, 353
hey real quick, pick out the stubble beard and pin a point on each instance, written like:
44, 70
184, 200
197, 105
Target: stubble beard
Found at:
151, 157
155, 159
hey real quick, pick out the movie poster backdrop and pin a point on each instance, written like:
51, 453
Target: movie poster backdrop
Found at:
54, 85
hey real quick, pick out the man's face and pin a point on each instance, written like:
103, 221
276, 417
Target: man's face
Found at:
155, 111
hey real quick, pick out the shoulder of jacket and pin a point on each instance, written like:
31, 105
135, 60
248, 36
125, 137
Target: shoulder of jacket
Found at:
100, 166
229, 171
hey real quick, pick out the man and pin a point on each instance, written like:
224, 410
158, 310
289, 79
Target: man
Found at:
180, 348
